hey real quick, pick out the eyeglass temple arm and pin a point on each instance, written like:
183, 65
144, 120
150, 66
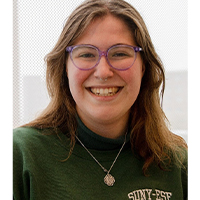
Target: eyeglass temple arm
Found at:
136, 49
69, 49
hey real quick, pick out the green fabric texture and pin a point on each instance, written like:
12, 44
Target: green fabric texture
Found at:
39, 172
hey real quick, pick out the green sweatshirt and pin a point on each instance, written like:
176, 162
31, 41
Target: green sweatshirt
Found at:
40, 172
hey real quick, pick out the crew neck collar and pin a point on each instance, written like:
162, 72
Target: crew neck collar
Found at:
92, 140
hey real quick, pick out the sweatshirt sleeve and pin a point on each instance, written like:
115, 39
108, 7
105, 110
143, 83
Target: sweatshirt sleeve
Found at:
20, 174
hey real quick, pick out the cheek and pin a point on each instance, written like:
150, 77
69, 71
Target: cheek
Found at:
133, 80
72, 77
76, 79
74, 83
134, 76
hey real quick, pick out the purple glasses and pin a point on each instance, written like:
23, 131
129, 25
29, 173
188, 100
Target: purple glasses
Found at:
119, 57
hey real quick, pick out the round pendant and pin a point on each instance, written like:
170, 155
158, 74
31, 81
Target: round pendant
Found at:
109, 180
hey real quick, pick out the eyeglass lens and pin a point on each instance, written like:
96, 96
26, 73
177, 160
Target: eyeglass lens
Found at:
119, 57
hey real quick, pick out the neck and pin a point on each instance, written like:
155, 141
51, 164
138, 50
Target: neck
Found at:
109, 129
94, 141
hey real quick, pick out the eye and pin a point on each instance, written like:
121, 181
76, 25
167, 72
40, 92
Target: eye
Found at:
86, 55
119, 54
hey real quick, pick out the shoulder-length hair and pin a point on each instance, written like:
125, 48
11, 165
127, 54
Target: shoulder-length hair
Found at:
150, 135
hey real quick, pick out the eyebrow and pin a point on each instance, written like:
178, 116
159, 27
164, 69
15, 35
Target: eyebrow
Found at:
109, 46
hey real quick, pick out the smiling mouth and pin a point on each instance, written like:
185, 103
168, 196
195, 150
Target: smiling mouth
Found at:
105, 91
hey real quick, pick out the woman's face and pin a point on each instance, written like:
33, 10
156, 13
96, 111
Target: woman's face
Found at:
124, 85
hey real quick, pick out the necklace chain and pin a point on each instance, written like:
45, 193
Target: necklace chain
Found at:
108, 179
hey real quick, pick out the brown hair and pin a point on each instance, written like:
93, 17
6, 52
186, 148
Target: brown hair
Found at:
150, 136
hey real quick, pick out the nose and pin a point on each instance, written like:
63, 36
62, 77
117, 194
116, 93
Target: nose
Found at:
103, 70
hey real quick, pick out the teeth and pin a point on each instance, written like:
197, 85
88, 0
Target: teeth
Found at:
105, 91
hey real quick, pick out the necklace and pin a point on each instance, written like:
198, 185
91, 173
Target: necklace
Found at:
108, 179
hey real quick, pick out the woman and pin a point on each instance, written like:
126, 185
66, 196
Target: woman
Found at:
104, 134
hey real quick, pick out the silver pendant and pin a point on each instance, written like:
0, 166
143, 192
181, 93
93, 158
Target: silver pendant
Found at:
109, 180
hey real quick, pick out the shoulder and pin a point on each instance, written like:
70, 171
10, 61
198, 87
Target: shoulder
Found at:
30, 138
182, 156
30, 133
24, 133
185, 155
24, 139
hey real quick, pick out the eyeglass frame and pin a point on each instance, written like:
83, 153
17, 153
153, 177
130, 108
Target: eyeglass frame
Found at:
70, 49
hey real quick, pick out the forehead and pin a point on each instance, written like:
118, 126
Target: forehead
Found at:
106, 31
